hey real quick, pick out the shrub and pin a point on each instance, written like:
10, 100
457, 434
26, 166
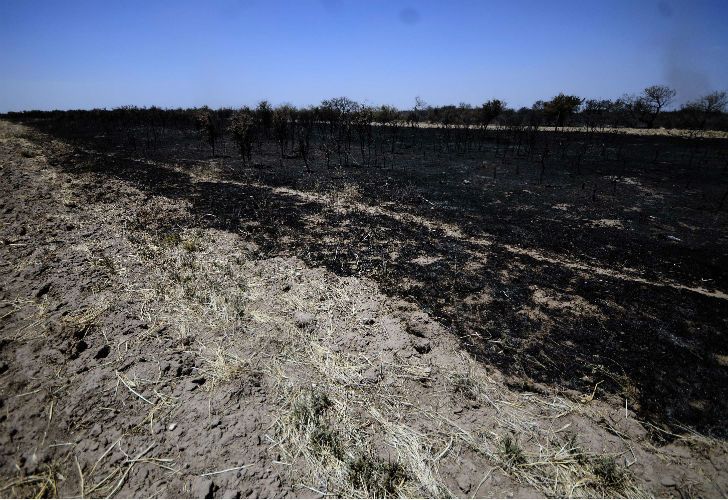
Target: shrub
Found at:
242, 127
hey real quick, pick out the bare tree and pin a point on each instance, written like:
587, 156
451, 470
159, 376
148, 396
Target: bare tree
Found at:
304, 128
703, 108
363, 118
421, 108
242, 127
388, 117
209, 122
340, 111
281, 124
653, 100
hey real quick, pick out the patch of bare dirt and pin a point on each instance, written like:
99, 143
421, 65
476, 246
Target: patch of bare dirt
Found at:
615, 223
574, 304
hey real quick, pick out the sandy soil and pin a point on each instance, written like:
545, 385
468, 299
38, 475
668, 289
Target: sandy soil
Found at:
140, 361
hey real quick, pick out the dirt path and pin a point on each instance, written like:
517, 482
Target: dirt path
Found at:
137, 361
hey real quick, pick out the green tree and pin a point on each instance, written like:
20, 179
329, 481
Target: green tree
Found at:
561, 107
595, 111
491, 110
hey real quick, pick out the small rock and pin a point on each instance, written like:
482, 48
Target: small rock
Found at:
667, 481
172, 426
422, 346
80, 347
372, 375
103, 352
203, 488
419, 325
367, 321
43, 290
464, 482
39, 457
179, 369
302, 319
231, 494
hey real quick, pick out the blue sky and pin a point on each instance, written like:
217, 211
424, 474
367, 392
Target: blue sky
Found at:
170, 53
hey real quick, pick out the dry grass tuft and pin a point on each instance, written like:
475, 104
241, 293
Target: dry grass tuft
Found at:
41, 485
463, 385
377, 478
610, 476
510, 452
222, 368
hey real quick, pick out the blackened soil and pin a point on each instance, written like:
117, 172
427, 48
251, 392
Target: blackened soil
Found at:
576, 281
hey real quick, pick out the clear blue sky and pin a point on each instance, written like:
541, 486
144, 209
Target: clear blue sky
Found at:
106, 53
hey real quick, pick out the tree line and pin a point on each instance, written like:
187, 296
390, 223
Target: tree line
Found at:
341, 132
648, 109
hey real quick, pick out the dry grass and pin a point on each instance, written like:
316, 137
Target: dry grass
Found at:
108, 475
222, 367
41, 485
333, 420
34, 315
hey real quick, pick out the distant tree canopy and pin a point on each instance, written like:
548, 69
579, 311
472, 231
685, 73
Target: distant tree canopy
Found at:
647, 106
491, 110
386, 115
561, 107
344, 117
702, 109
340, 106
595, 112
264, 113
658, 96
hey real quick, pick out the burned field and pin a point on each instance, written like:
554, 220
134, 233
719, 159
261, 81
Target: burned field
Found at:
572, 263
